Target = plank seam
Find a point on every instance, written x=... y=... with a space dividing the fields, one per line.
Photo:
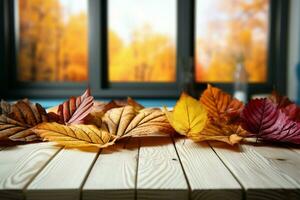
x=38 y=172
x=137 y=170
x=185 y=175
x=234 y=176
x=88 y=173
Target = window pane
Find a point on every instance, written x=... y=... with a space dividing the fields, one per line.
x=142 y=35
x=229 y=31
x=53 y=40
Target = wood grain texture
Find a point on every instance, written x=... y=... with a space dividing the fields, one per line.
x=160 y=175
x=63 y=177
x=208 y=177
x=20 y=164
x=113 y=174
x=265 y=172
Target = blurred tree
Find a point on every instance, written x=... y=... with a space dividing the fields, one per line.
x=52 y=46
x=74 y=49
x=149 y=57
x=241 y=30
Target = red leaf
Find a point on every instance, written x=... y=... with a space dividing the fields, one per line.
x=281 y=101
x=286 y=105
x=76 y=109
x=265 y=120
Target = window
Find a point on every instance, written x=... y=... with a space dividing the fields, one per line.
x=52 y=40
x=141 y=44
x=228 y=32
x=139 y=48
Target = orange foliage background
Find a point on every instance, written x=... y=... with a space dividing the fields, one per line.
x=54 y=49
x=51 y=48
x=150 y=57
x=243 y=33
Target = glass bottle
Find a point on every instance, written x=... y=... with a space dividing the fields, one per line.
x=188 y=80
x=240 y=82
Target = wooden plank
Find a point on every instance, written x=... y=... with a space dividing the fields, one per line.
x=203 y=169
x=63 y=177
x=266 y=172
x=160 y=175
x=114 y=173
x=294 y=147
x=20 y=164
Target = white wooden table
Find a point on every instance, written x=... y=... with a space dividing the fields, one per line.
x=152 y=168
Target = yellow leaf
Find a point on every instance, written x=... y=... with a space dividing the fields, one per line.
x=188 y=117
x=127 y=121
x=78 y=135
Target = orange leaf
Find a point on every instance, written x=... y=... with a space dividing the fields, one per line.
x=220 y=105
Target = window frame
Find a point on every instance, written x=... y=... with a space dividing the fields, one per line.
x=98 y=57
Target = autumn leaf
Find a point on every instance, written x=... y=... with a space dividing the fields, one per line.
x=76 y=109
x=220 y=131
x=5 y=107
x=219 y=104
x=281 y=101
x=266 y=121
x=188 y=116
x=127 y=121
x=75 y=135
x=286 y=105
x=97 y=112
x=14 y=130
x=17 y=120
x=220 y=107
x=128 y=102
x=100 y=108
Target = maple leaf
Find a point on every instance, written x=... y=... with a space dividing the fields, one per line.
x=221 y=108
x=76 y=109
x=127 y=121
x=17 y=120
x=75 y=135
x=188 y=116
x=266 y=121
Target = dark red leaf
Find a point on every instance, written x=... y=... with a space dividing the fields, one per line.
x=286 y=105
x=76 y=109
x=281 y=101
x=266 y=121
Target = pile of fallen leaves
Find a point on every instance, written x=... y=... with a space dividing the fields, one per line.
x=219 y=116
x=83 y=122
